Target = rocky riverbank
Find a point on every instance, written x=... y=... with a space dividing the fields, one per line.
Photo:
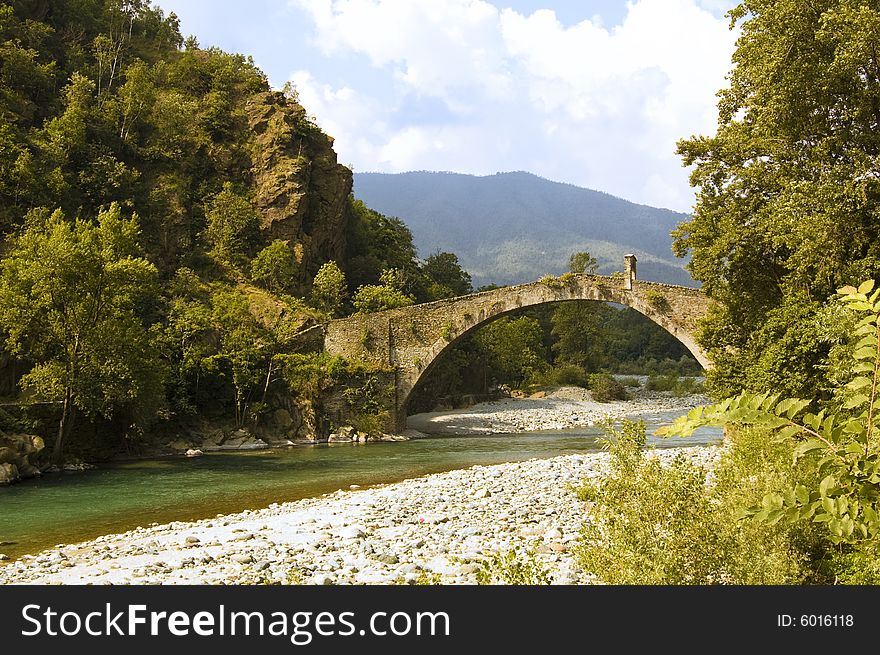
x=558 y=409
x=436 y=528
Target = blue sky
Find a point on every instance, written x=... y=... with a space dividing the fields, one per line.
x=595 y=93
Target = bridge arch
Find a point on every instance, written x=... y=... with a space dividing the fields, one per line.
x=410 y=340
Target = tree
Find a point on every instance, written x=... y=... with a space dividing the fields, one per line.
x=233 y=225
x=68 y=297
x=583 y=262
x=578 y=330
x=329 y=288
x=245 y=347
x=275 y=267
x=135 y=96
x=788 y=199
x=376 y=243
x=376 y=298
x=514 y=346
x=389 y=295
x=448 y=279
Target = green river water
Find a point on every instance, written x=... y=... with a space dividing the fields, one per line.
x=66 y=508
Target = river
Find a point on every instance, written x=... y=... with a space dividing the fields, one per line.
x=66 y=508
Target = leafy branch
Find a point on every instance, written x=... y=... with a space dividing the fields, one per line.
x=845 y=440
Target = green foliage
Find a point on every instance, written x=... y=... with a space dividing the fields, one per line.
x=447 y=277
x=859 y=564
x=377 y=243
x=275 y=267
x=569 y=374
x=514 y=567
x=245 y=348
x=583 y=262
x=782 y=218
x=845 y=439
x=604 y=388
x=233 y=225
x=329 y=288
x=657 y=300
x=69 y=294
x=557 y=282
x=634 y=344
x=309 y=374
x=101 y=104
x=447 y=331
x=678 y=386
x=376 y=298
x=579 y=336
x=514 y=347
x=650 y=523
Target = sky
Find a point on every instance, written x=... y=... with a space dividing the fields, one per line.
x=591 y=92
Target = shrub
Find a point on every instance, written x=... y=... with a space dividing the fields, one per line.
x=554 y=282
x=275 y=267
x=844 y=436
x=376 y=298
x=678 y=386
x=329 y=288
x=570 y=374
x=661 y=524
x=657 y=300
x=630 y=382
x=605 y=388
x=513 y=568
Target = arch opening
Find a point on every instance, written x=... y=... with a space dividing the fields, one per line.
x=459 y=373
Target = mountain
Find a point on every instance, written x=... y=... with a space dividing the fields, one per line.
x=515 y=227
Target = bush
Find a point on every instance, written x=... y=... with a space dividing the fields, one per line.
x=630 y=382
x=275 y=267
x=561 y=282
x=376 y=298
x=678 y=386
x=571 y=374
x=656 y=524
x=513 y=568
x=842 y=436
x=604 y=388
x=658 y=301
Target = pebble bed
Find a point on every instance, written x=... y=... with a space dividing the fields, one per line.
x=437 y=528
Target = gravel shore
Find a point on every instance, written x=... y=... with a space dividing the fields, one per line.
x=442 y=524
x=565 y=407
x=434 y=528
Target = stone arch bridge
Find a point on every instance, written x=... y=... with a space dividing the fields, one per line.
x=409 y=340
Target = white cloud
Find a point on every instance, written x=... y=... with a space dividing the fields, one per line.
x=597 y=107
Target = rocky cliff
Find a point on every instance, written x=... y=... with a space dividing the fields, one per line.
x=299 y=188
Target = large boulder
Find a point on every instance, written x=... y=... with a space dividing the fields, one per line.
x=8 y=473
x=18 y=456
x=345 y=434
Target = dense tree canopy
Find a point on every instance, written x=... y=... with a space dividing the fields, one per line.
x=787 y=190
x=69 y=294
x=447 y=278
x=105 y=112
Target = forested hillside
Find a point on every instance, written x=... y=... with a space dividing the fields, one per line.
x=511 y=228
x=172 y=227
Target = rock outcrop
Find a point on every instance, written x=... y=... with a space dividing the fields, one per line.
x=299 y=188
x=18 y=457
